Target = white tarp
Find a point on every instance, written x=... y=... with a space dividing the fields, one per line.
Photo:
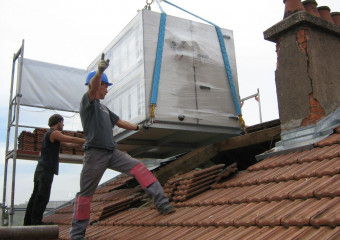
x=52 y=86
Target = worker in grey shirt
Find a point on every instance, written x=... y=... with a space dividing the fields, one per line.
x=101 y=153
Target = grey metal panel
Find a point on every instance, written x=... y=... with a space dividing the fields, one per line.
x=164 y=140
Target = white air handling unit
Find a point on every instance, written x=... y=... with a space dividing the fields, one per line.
x=194 y=104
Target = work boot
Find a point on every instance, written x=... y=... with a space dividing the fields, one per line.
x=166 y=208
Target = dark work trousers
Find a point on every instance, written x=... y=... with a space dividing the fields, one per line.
x=95 y=163
x=39 y=198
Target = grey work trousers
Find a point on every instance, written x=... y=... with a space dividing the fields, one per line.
x=95 y=162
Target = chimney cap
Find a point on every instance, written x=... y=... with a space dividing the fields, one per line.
x=335 y=13
x=324 y=8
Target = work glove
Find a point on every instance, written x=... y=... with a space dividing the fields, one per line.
x=103 y=64
x=142 y=127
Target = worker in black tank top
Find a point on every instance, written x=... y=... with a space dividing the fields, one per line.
x=48 y=165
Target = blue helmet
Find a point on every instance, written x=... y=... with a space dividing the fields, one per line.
x=103 y=79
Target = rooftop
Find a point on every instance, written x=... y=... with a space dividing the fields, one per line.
x=290 y=196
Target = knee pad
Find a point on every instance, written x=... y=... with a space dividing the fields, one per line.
x=83 y=208
x=143 y=175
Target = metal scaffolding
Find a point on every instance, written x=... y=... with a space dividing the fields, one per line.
x=257 y=98
x=13 y=121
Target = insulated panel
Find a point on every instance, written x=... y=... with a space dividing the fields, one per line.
x=194 y=98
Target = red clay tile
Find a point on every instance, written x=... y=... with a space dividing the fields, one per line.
x=280 y=233
x=200 y=231
x=246 y=191
x=253 y=178
x=269 y=175
x=195 y=215
x=229 y=209
x=260 y=195
x=156 y=232
x=273 y=218
x=330 y=188
x=215 y=233
x=330 y=140
x=229 y=193
x=308 y=169
x=276 y=162
x=208 y=212
x=321 y=233
x=228 y=220
x=234 y=181
x=177 y=234
x=305 y=189
x=329 y=215
x=331 y=167
x=213 y=215
x=231 y=231
x=302 y=214
x=287 y=173
x=259 y=233
x=240 y=233
x=206 y=198
x=299 y=155
x=321 y=151
x=260 y=165
x=288 y=159
x=281 y=190
x=249 y=218
x=181 y=215
x=333 y=152
x=311 y=155
x=121 y=217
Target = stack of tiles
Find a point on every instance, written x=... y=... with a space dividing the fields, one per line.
x=38 y=138
x=185 y=186
x=26 y=141
x=67 y=150
x=79 y=149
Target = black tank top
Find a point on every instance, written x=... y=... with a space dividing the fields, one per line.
x=49 y=159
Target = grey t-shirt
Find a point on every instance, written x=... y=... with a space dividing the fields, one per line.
x=98 y=122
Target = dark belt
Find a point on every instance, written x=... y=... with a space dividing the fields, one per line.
x=85 y=148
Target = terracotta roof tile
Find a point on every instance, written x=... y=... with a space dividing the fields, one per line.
x=333 y=151
x=303 y=211
x=328 y=214
x=282 y=190
x=330 y=140
x=320 y=233
x=279 y=233
x=330 y=188
x=291 y=196
x=304 y=188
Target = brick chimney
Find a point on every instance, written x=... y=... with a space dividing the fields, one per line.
x=308 y=69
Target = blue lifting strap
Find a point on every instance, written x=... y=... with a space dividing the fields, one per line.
x=228 y=69
x=158 y=63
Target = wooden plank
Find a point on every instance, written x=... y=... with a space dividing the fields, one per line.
x=249 y=139
x=186 y=163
